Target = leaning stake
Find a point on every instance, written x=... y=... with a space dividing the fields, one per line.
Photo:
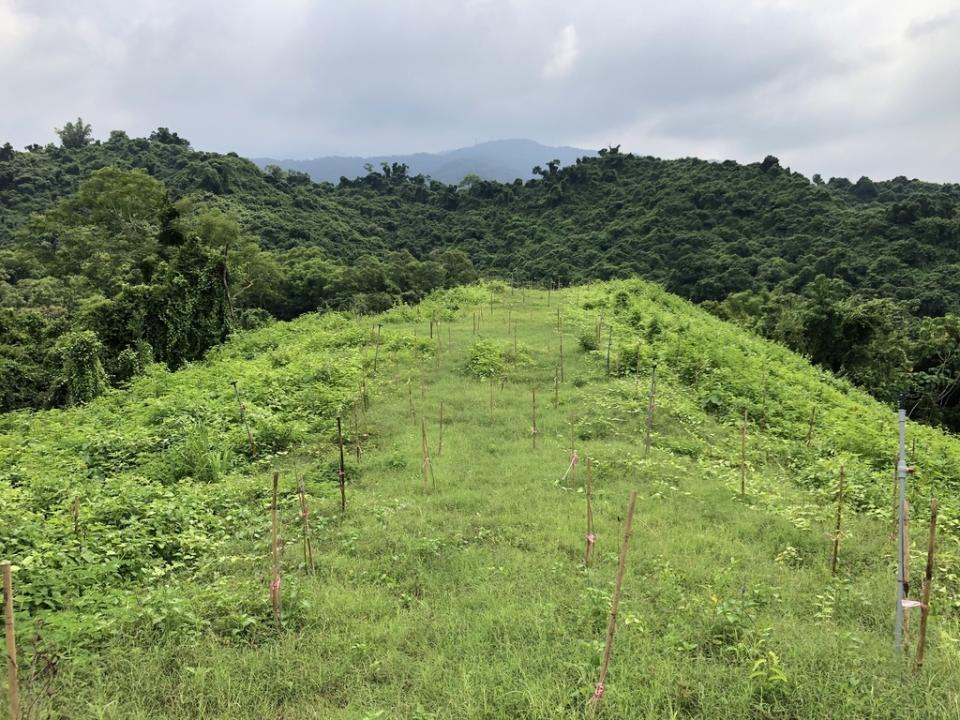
x=927 y=581
x=12 y=682
x=614 y=606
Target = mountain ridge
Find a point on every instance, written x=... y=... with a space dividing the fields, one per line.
x=501 y=160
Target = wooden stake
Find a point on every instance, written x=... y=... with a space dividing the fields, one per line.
x=609 y=345
x=743 y=455
x=591 y=538
x=440 y=442
x=275 y=544
x=376 y=352
x=927 y=583
x=533 y=397
x=573 y=448
x=305 y=514
x=426 y=468
x=561 y=357
x=836 y=532
x=651 y=407
x=356 y=432
x=813 y=419
x=491 y=398
x=75 y=512
x=13 y=684
x=341 y=473
x=243 y=419
x=597 y=696
x=556 y=386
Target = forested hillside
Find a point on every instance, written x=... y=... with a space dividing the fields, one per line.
x=860 y=276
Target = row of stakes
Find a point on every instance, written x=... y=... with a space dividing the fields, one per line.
x=429 y=479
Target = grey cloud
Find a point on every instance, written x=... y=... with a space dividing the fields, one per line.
x=296 y=78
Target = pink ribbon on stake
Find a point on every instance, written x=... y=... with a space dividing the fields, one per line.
x=910 y=604
x=275 y=585
x=591 y=538
x=573 y=458
x=598 y=693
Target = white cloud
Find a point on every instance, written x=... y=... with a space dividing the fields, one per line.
x=564 y=53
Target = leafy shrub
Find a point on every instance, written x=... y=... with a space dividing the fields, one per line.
x=486 y=360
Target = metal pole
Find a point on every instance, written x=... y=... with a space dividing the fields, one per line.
x=901 y=494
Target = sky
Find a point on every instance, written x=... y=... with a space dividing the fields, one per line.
x=836 y=87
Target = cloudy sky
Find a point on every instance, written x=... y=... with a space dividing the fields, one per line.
x=831 y=86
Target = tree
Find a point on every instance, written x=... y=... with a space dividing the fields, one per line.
x=6 y=152
x=75 y=135
x=83 y=373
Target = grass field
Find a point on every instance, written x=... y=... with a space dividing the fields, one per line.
x=469 y=598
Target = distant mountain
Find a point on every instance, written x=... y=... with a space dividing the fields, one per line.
x=502 y=160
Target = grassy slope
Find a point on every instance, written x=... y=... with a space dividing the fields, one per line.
x=470 y=600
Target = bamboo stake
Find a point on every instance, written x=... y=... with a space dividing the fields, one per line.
x=440 y=443
x=927 y=583
x=275 y=545
x=341 y=472
x=243 y=419
x=491 y=398
x=813 y=419
x=561 y=357
x=836 y=532
x=356 y=433
x=533 y=396
x=13 y=684
x=651 y=407
x=597 y=696
x=305 y=514
x=743 y=455
x=376 y=352
x=609 y=344
x=573 y=448
x=591 y=538
x=556 y=386
x=426 y=467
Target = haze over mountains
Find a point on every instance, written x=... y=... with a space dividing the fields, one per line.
x=501 y=160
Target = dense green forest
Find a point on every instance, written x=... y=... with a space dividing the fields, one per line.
x=117 y=252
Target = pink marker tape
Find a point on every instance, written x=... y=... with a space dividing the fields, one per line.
x=598 y=693
x=591 y=538
x=275 y=585
x=909 y=604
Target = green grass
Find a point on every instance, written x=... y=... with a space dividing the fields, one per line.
x=469 y=599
